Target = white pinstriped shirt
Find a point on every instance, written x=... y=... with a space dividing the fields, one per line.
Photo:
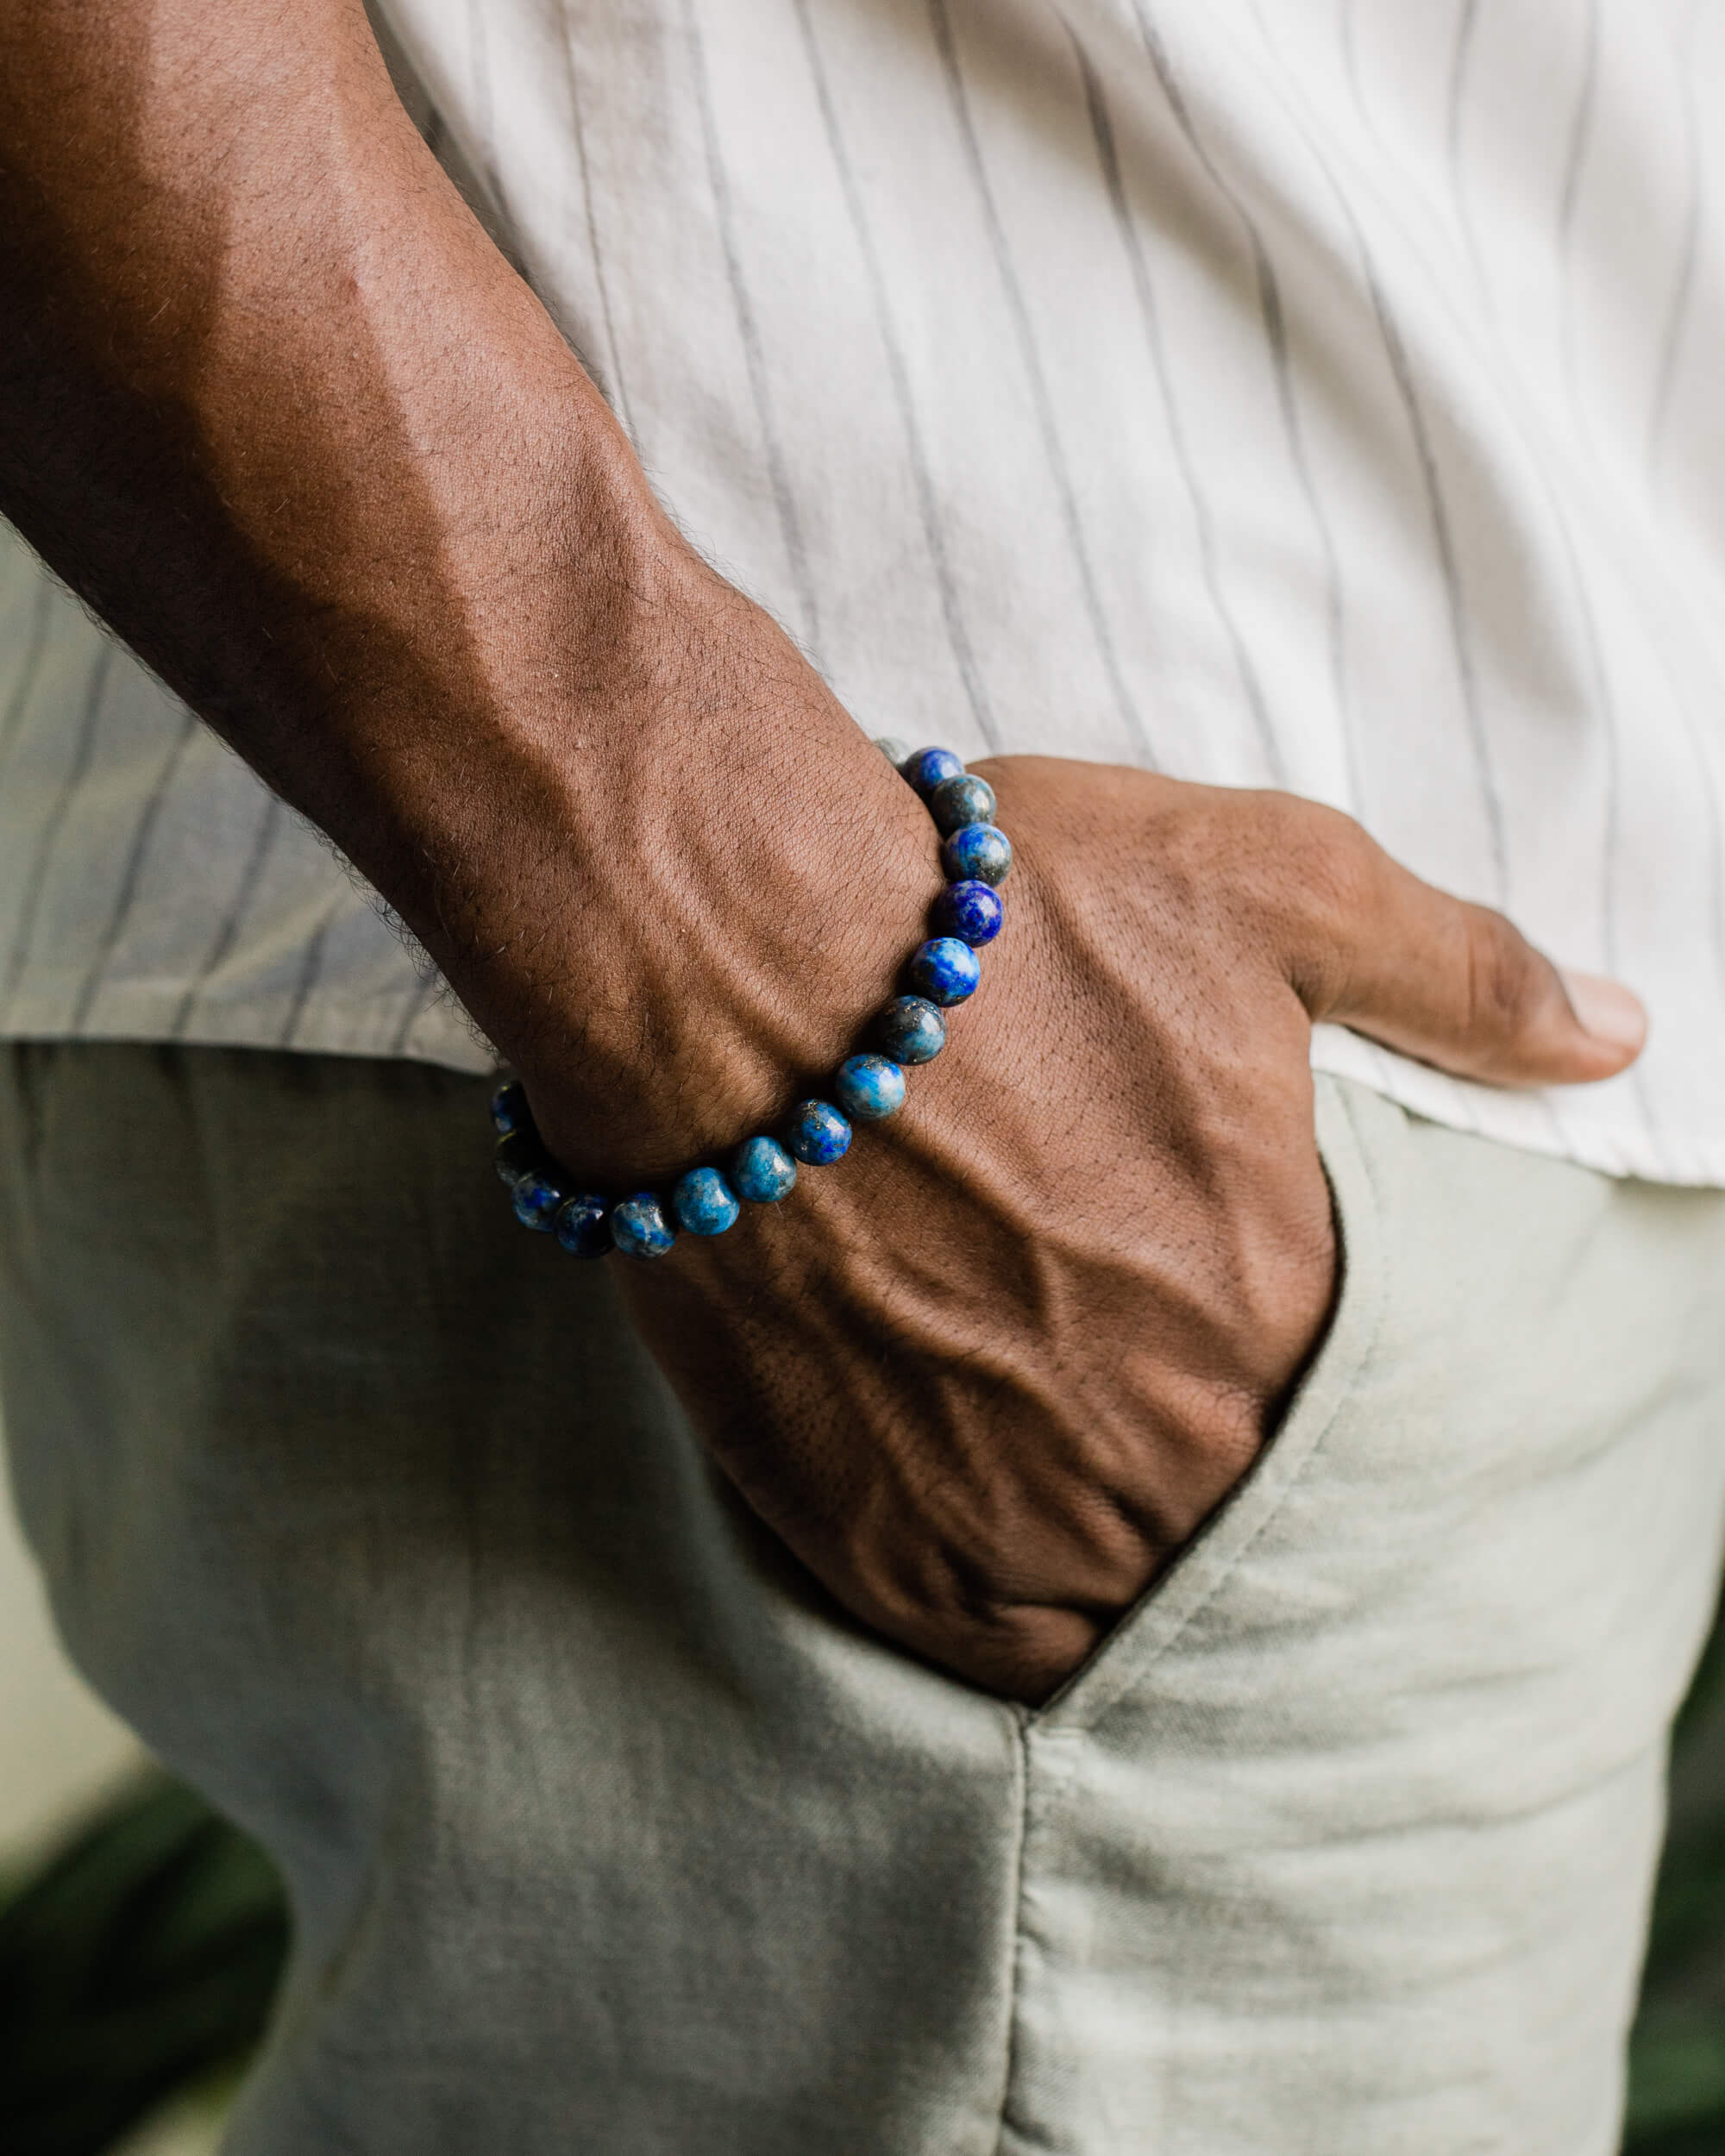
x=1321 y=394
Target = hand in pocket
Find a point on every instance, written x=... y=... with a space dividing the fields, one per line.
x=989 y=1375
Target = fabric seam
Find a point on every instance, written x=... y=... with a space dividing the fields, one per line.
x=1015 y=1965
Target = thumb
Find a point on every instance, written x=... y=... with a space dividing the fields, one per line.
x=1457 y=985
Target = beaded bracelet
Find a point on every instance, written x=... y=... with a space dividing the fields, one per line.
x=976 y=857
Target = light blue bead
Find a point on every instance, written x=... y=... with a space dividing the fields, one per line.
x=537 y=1196
x=970 y=911
x=705 y=1202
x=583 y=1226
x=926 y=767
x=911 y=1030
x=965 y=800
x=869 y=1087
x=945 y=970
x=977 y=853
x=639 y=1228
x=762 y=1171
x=818 y=1133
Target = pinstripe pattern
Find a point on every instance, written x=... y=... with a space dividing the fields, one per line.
x=1273 y=315
x=615 y=387
x=227 y=934
x=47 y=837
x=309 y=971
x=1677 y=316
x=1280 y=395
x=1109 y=158
x=1466 y=18
x=784 y=496
x=1350 y=50
x=1048 y=424
x=478 y=75
x=29 y=662
x=1444 y=546
x=928 y=507
x=1604 y=698
x=1580 y=137
x=1437 y=513
x=143 y=831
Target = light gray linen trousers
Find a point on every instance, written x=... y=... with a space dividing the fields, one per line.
x=607 y=1831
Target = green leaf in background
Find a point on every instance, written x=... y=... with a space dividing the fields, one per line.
x=1677 y=2053
x=144 y=1955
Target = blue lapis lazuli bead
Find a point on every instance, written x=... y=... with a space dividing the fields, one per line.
x=977 y=853
x=818 y=1133
x=911 y=1030
x=869 y=1087
x=704 y=1202
x=969 y=910
x=514 y=1155
x=582 y=1225
x=537 y=1196
x=965 y=800
x=945 y=970
x=762 y=1171
x=924 y=769
x=509 y=1110
x=639 y=1228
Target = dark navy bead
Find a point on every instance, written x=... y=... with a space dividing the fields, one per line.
x=818 y=1133
x=639 y=1228
x=956 y=802
x=944 y=970
x=977 y=852
x=537 y=1196
x=509 y=1110
x=705 y=1202
x=969 y=910
x=911 y=1030
x=515 y=1155
x=582 y=1225
x=762 y=1171
x=926 y=767
x=869 y=1087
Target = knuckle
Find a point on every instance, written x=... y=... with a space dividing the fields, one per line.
x=1026 y=1650
x=1317 y=884
x=1502 y=984
x=1326 y=861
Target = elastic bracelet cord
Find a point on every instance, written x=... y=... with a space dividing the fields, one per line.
x=977 y=857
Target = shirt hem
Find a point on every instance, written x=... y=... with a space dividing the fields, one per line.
x=437 y=1031
x=433 y=1031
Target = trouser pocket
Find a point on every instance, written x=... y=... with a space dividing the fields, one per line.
x=1343 y=1841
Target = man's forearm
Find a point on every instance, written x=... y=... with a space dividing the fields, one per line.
x=277 y=408
x=273 y=399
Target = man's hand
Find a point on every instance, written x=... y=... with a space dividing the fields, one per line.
x=986 y=1377
x=273 y=404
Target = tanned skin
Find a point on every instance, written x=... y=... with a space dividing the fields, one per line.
x=275 y=406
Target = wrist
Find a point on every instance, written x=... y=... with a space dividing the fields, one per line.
x=672 y=900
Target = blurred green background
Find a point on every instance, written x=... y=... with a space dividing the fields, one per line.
x=141 y=1936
